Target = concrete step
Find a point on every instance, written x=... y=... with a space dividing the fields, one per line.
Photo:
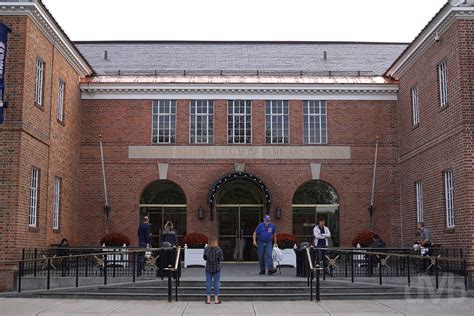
x=255 y=296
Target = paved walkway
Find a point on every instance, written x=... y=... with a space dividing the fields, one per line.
x=21 y=306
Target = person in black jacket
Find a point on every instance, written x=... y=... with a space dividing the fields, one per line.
x=143 y=242
x=169 y=235
x=213 y=255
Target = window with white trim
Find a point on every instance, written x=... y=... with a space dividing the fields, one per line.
x=164 y=122
x=56 y=201
x=39 y=78
x=60 y=112
x=443 y=83
x=201 y=122
x=239 y=121
x=449 y=197
x=415 y=106
x=277 y=122
x=33 y=210
x=419 y=201
x=314 y=122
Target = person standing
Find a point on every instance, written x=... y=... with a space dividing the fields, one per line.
x=266 y=233
x=213 y=255
x=143 y=242
x=321 y=234
x=169 y=235
x=425 y=242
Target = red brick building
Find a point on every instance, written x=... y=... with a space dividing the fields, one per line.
x=212 y=135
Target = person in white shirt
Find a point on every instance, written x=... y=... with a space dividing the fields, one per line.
x=321 y=234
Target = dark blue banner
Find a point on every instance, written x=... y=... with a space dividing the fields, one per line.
x=3 y=54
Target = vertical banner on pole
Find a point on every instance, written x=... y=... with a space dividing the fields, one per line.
x=3 y=53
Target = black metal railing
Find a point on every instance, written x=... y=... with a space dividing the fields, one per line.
x=357 y=263
x=106 y=263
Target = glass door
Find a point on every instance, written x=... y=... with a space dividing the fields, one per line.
x=235 y=227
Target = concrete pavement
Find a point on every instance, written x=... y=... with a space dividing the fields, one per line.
x=28 y=306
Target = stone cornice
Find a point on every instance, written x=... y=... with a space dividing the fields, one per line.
x=46 y=23
x=254 y=92
x=428 y=36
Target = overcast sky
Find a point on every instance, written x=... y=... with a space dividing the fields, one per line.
x=312 y=20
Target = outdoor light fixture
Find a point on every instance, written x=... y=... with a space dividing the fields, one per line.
x=278 y=213
x=200 y=213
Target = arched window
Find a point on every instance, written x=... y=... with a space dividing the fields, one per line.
x=314 y=200
x=163 y=201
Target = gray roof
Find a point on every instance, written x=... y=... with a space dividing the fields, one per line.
x=239 y=57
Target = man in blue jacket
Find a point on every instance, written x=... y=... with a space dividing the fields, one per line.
x=266 y=233
x=143 y=242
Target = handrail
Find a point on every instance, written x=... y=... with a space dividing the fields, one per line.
x=313 y=270
x=368 y=252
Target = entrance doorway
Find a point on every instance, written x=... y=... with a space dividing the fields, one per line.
x=235 y=227
x=163 y=201
x=239 y=209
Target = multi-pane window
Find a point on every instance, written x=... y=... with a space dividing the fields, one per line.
x=39 y=78
x=449 y=197
x=443 y=83
x=201 y=122
x=419 y=201
x=34 y=182
x=56 y=201
x=164 y=122
x=415 y=105
x=277 y=122
x=239 y=121
x=60 y=113
x=314 y=122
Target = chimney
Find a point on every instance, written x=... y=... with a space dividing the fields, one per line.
x=325 y=55
x=106 y=55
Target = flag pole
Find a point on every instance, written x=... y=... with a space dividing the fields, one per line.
x=106 y=207
x=372 y=197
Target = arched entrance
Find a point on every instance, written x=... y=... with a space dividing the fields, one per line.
x=313 y=200
x=239 y=201
x=163 y=201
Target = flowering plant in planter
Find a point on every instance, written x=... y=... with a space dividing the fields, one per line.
x=194 y=240
x=285 y=240
x=363 y=238
x=115 y=240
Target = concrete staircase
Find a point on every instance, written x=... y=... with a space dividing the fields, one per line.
x=244 y=290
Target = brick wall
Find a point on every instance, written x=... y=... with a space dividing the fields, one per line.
x=442 y=140
x=31 y=137
x=352 y=123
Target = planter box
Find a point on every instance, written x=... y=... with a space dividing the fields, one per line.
x=194 y=257
x=289 y=258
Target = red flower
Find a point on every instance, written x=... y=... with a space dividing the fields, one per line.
x=115 y=240
x=285 y=240
x=363 y=238
x=194 y=240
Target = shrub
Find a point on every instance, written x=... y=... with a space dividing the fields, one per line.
x=285 y=240
x=194 y=240
x=115 y=240
x=363 y=238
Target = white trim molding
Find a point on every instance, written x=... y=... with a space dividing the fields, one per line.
x=430 y=34
x=386 y=92
x=46 y=23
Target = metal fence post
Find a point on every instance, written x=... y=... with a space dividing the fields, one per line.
x=466 y=284
x=318 y=290
x=380 y=271
x=408 y=272
x=311 y=285
x=20 y=272
x=105 y=269
x=77 y=271
x=34 y=262
x=49 y=273
x=86 y=265
x=134 y=265
x=170 y=284
x=352 y=267
x=436 y=273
